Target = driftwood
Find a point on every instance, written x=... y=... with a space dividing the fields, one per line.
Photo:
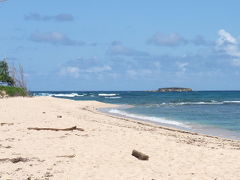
x=67 y=156
x=1 y=146
x=15 y=160
x=8 y=124
x=56 y=129
x=140 y=155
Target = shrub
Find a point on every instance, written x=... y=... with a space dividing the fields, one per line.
x=14 y=91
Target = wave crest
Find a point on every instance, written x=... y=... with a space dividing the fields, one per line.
x=195 y=103
x=61 y=95
x=107 y=94
x=148 y=118
x=114 y=97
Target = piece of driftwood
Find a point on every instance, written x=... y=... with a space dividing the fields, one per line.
x=19 y=159
x=67 y=156
x=8 y=124
x=140 y=155
x=1 y=146
x=56 y=129
x=15 y=160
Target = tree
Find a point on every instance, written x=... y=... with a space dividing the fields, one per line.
x=18 y=76
x=4 y=73
x=3 y=67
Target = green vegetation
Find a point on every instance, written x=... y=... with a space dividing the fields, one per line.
x=15 y=82
x=13 y=91
x=4 y=73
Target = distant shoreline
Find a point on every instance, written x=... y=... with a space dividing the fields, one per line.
x=173 y=89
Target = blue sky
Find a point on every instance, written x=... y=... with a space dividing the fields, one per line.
x=123 y=45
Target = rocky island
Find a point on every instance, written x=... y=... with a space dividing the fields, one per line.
x=173 y=89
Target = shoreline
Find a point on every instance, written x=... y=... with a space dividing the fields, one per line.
x=106 y=143
x=196 y=129
x=158 y=125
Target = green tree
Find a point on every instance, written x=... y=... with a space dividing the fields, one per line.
x=4 y=73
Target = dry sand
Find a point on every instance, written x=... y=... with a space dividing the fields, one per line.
x=103 y=150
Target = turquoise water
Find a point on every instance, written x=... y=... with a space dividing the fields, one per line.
x=211 y=112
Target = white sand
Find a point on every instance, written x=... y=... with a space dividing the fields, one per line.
x=103 y=150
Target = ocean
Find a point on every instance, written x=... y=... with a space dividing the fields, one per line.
x=215 y=113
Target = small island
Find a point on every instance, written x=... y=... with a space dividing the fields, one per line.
x=173 y=89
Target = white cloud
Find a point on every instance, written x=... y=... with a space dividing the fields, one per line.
x=167 y=40
x=139 y=73
x=116 y=49
x=174 y=39
x=99 y=69
x=76 y=71
x=229 y=45
x=72 y=71
x=55 y=38
x=225 y=37
x=182 y=66
x=59 y=17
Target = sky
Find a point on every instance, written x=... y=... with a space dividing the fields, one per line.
x=123 y=45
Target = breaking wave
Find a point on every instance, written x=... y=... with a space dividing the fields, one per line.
x=107 y=94
x=195 y=103
x=148 y=118
x=113 y=97
x=61 y=95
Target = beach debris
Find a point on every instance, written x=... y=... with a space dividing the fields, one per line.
x=44 y=112
x=7 y=147
x=56 y=129
x=67 y=156
x=8 y=124
x=48 y=174
x=3 y=94
x=59 y=116
x=18 y=159
x=15 y=160
x=140 y=155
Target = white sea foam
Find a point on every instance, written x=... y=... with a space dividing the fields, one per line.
x=195 y=103
x=231 y=102
x=200 y=103
x=113 y=97
x=148 y=118
x=107 y=94
x=81 y=95
x=66 y=95
x=41 y=94
x=183 y=103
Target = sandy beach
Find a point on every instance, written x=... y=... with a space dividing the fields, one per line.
x=103 y=150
